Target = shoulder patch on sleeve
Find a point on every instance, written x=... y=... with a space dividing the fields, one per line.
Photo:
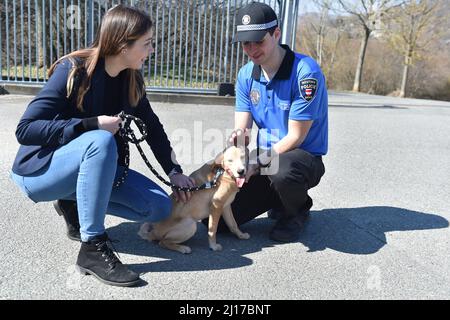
x=308 y=88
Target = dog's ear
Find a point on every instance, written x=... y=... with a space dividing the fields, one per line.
x=219 y=159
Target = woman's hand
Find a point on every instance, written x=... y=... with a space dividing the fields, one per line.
x=181 y=180
x=111 y=124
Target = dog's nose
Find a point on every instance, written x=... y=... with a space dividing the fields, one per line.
x=241 y=172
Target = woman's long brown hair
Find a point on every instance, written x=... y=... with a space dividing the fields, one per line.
x=121 y=27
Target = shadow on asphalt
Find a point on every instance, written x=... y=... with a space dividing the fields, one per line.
x=349 y=230
x=363 y=230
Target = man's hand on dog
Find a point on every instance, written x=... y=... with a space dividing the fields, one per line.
x=181 y=180
x=239 y=137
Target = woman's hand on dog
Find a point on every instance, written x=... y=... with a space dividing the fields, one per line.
x=181 y=180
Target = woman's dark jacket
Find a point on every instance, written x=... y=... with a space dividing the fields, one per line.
x=52 y=120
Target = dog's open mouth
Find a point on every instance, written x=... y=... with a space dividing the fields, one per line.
x=240 y=182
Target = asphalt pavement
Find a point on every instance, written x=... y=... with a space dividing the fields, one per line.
x=379 y=227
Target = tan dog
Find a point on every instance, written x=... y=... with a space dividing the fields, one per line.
x=182 y=223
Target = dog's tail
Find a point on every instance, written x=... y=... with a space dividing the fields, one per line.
x=144 y=231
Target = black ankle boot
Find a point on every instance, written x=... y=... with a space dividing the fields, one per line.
x=275 y=214
x=68 y=209
x=98 y=259
x=288 y=228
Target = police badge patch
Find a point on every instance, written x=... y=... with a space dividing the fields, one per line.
x=308 y=88
x=255 y=96
x=246 y=19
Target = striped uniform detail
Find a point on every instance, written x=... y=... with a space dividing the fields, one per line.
x=256 y=27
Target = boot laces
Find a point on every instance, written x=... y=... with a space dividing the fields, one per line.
x=107 y=253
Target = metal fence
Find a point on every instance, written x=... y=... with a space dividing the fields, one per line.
x=193 y=48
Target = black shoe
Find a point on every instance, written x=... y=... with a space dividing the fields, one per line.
x=274 y=214
x=98 y=259
x=68 y=209
x=287 y=229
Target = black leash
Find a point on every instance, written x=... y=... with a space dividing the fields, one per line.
x=128 y=136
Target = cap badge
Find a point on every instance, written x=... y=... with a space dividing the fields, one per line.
x=246 y=19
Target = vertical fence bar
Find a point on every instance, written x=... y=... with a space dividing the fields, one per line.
x=99 y=15
x=294 y=28
x=211 y=15
x=181 y=44
x=227 y=40
x=14 y=40
x=149 y=62
x=65 y=27
x=186 y=42
x=78 y=24
x=1 y=49
x=168 y=42
x=205 y=8
x=174 y=45
x=232 y=44
x=51 y=30
x=7 y=39
x=215 y=40
x=221 y=46
x=155 y=69
x=86 y=33
x=72 y=26
x=22 y=45
x=90 y=22
x=44 y=43
x=57 y=30
x=194 y=10
x=162 y=43
x=198 y=42
x=36 y=12
x=29 y=41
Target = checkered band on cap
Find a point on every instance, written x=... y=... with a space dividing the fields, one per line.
x=256 y=27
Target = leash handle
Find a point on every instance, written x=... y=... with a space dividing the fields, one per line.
x=127 y=133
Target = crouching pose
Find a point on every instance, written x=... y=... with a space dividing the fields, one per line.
x=71 y=151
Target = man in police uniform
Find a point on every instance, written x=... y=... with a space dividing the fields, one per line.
x=284 y=93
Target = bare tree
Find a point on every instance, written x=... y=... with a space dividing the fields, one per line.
x=414 y=25
x=338 y=26
x=369 y=14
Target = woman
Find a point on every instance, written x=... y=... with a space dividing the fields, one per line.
x=70 y=148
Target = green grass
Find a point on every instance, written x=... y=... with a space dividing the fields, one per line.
x=23 y=74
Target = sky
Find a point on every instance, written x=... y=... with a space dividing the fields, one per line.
x=306 y=6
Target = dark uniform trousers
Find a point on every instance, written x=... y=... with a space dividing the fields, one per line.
x=285 y=189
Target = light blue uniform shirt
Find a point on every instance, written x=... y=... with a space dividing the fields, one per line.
x=296 y=92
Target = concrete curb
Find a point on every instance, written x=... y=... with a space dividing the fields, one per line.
x=33 y=89
x=211 y=99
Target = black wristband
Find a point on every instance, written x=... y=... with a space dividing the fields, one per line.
x=262 y=165
x=90 y=123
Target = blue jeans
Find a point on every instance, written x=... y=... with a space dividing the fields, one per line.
x=85 y=170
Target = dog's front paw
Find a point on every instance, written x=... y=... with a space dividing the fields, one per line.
x=184 y=249
x=215 y=247
x=144 y=231
x=243 y=235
